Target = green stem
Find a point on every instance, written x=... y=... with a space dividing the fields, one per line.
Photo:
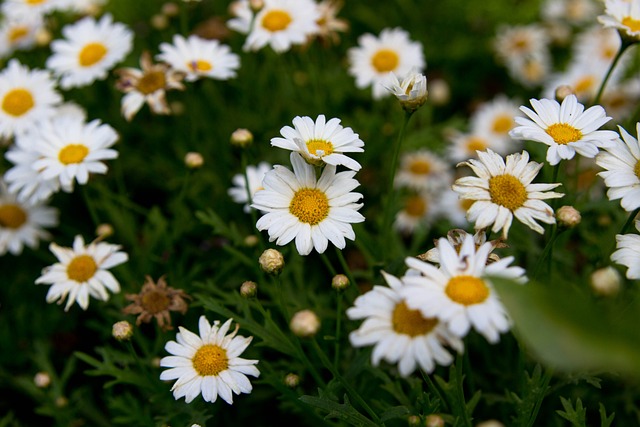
x=90 y=207
x=548 y=373
x=336 y=355
x=623 y=46
x=345 y=267
x=548 y=249
x=629 y=221
x=459 y=376
x=327 y=264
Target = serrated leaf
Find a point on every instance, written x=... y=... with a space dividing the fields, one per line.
x=343 y=411
x=576 y=416
x=605 y=421
x=394 y=412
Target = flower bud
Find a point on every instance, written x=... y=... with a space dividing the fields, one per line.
x=248 y=289
x=434 y=420
x=439 y=92
x=256 y=5
x=411 y=91
x=159 y=21
x=563 y=91
x=170 y=9
x=241 y=138
x=414 y=420
x=605 y=281
x=251 y=240
x=291 y=380
x=122 y=330
x=42 y=380
x=490 y=423
x=568 y=216
x=271 y=261
x=339 y=282
x=104 y=230
x=193 y=160
x=305 y=323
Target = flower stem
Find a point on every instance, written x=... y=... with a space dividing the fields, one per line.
x=345 y=267
x=547 y=251
x=336 y=355
x=623 y=46
x=629 y=221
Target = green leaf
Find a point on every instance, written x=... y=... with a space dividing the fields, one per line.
x=394 y=412
x=604 y=420
x=528 y=403
x=576 y=416
x=344 y=411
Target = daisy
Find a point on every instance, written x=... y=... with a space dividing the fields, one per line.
x=398 y=333
x=313 y=212
x=503 y=190
x=208 y=364
x=598 y=46
x=11 y=8
x=624 y=16
x=283 y=23
x=530 y=71
x=565 y=128
x=329 y=25
x=411 y=91
x=375 y=57
x=28 y=97
x=584 y=78
x=628 y=253
x=242 y=16
x=622 y=170
x=149 y=84
x=19 y=33
x=90 y=49
x=575 y=12
x=82 y=272
x=419 y=210
x=198 y=57
x=23 y=224
x=514 y=44
x=456 y=238
x=452 y=208
x=70 y=149
x=255 y=174
x=619 y=101
x=460 y=293
x=423 y=170
x=495 y=119
x=466 y=145
x=321 y=142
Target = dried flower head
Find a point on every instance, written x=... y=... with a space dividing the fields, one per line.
x=329 y=25
x=156 y=300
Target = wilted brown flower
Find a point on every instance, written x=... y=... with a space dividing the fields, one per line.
x=156 y=300
x=329 y=25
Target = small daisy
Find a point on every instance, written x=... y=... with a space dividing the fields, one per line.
x=419 y=209
x=599 y=46
x=576 y=12
x=411 y=91
x=283 y=23
x=456 y=238
x=28 y=97
x=208 y=364
x=423 y=170
x=23 y=224
x=452 y=208
x=242 y=16
x=531 y=71
x=313 y=212
x=82 y=272
x=328 y=24
x=375 y=57
x=628 y=253
x=460 y=293
x=198 y=57
x=495 y=119
x=19 y=33
x=504 y=190
x=11 y=8
x=321 y=142
x=155 y=301
x=565 y=128
x=399 y=334
x=89 y=50
x=622 y=170
x=624 y=16
x=70 y=149
x=619 y=101
x=148 y=84
x=466 y=145
x=584 y=78
x=514 y=44
x=255 y=174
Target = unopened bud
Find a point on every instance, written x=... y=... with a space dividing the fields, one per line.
x=414 y=420
x=241 y=137
x=271 y=261
x=61 y=401
x=251 y=240
x=305 y=323
x=42 y=380
x=568 y=216
x=605 y=281
x=43 y=37
x=563 y=91
x=248 y=289
x=291 y=380
x=170 y=9
x=490 y=423
x=439 y=91
x=256 y=5
x=159 y=21
x=122 y=330
x=339 y=282
x=104 y=230
x=193 y=160
x=434 y=420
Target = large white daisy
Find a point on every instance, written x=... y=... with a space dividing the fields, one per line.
x=566 y=128
x=321 y=142
x=82 y=272
x=399 y=334
x=208 y=364
x=311 y=211
x=198 y=57
x=89 y=50
x=460 y=293
x=375 y=57
x=255 y=174
x=622 y=170
x=624 y=16
x=628 y=253
x=27 y=97
x=502 y=190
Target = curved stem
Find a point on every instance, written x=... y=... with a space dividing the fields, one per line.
x=623 y=46
x=547 y=251
x=345 y=267
x=629 y=221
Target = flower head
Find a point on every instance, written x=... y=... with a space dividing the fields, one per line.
x=411 y=91
x=624 y=16
x=423 y=170
x=628 y=253
x=208 y=363
x=255 y=174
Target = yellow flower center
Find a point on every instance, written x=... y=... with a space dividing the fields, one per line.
x=35 y=2
x=73 y=153
x=467 y=290
x=632 y=24
x=420 y=167
x=520 y=43
x=385 y=60
x=415 y=206
x=507 y=190
x=200 y=66
x=12 y=216
x=210 y=359
x=17 y=33
x=410 y=322
x=585 y=84
x=315 y=145
x=563 y=133
x=636 y=169
x=276 y=20
x=502 y=123
x=155 y=302
x=476 y=143
x=91 y=54
x=81 y=268
x=17 y=102
x=151 y=82
x=309 y=205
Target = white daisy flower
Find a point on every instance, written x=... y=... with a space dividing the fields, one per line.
x=495 y=119
x=375 y=57
x=198 y=57
x=283 y=23
x=624 y=16
x=422 y=170
x=85 y=7
x=575 y=12
x=11 y=8
x=89 y=50
x=313 y=212
x=70 y=149
x=620 y=100
x=531 y=71
x=598 y=46
x=321 y=142
x=628 y=253
x=242 y=16
x=399 y=334
x=504 y=190
x=419 y=209
x=411 y=91
x=27 y=96
x=565 y=128
x=466 y=145
x=451 y=207
x=23 y=224
x=208 y=364
x=456 y=238
x=583 y=78
x=459 y=293
x=255 y=174
x=82 y=272
x=514 y=44
x=19 y=33
x=622 y=170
